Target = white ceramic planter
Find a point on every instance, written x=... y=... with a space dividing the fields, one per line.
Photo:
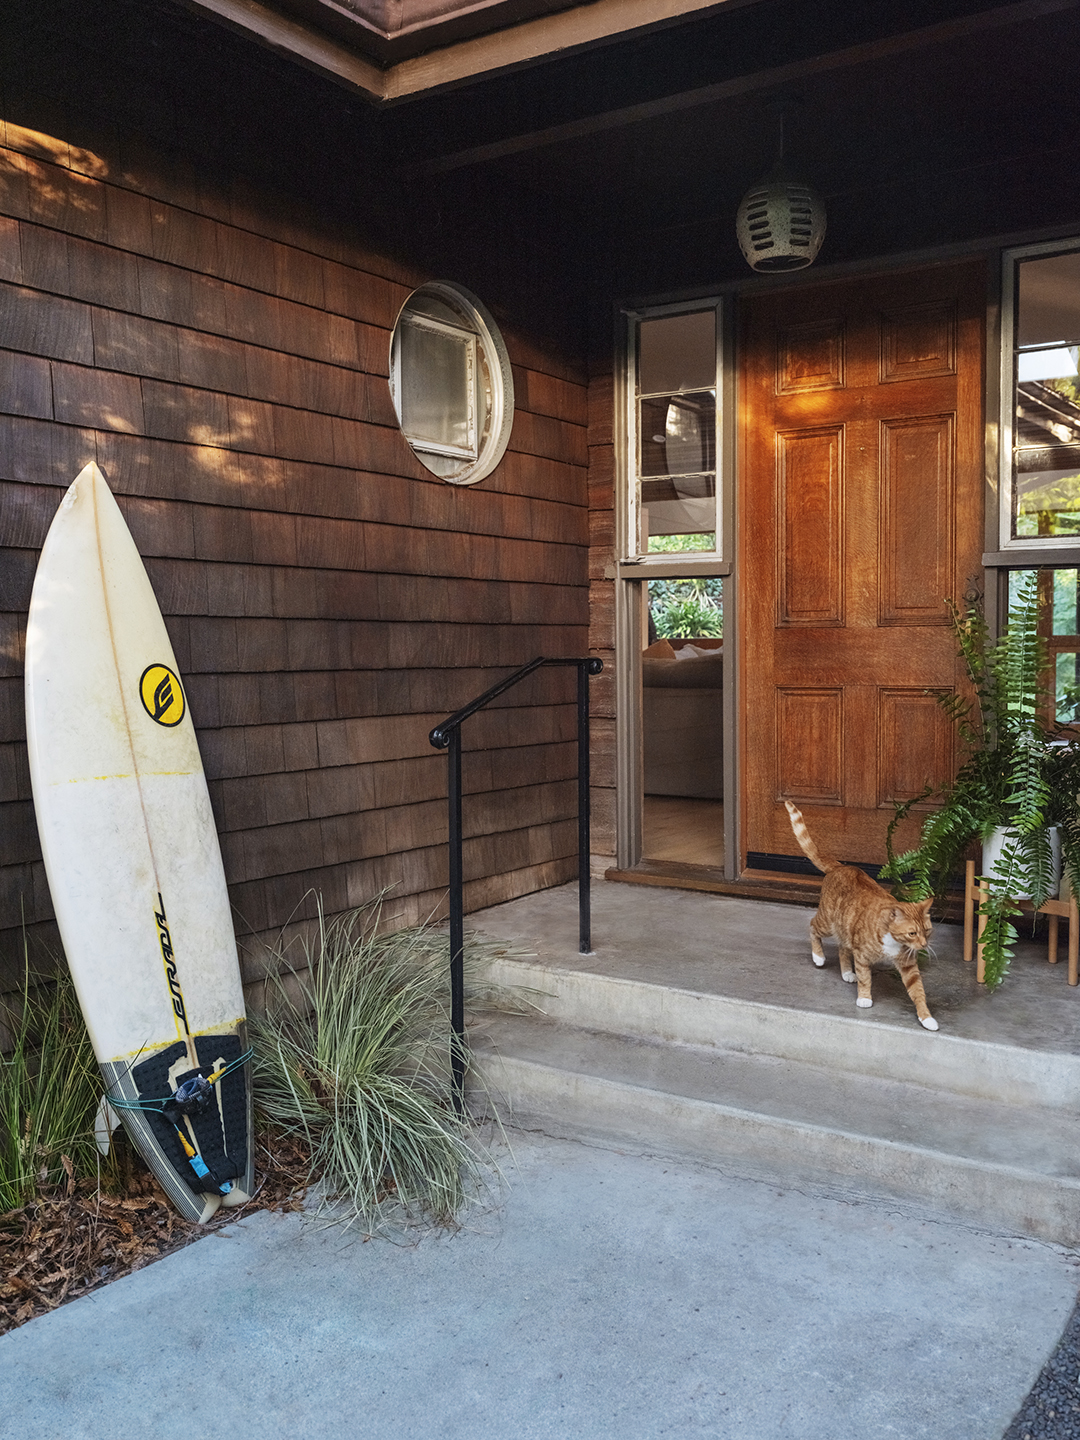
x=992 y=850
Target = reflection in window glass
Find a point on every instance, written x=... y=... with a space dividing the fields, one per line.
x=675 y=462
x=1059 y=625
x=1046 y=433
x=1067 y=687
x=677 y=352
x=1066 y=621
x=689 y=608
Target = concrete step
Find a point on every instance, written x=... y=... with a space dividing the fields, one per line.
x=1006 y=1166
x=856 y=1044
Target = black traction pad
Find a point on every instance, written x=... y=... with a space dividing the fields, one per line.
x=224 y=1152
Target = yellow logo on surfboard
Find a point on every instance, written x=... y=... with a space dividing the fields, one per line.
x=162 y=695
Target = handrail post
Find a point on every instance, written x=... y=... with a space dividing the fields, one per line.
x=583 y=836
x=457 y=922
x=447 y=736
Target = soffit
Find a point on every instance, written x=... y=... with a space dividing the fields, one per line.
x=392 y=50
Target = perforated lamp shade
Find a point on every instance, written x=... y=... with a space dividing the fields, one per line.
x=780 y=224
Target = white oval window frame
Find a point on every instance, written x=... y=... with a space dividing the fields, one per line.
x=493 y=447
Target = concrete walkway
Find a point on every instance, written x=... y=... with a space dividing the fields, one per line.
x=606 y=1295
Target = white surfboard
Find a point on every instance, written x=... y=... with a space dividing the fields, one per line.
x=132 y=855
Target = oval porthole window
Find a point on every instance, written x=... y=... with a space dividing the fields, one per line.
x=451 y=383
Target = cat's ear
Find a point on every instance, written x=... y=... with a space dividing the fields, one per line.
x=897 y=914
x=925 y=906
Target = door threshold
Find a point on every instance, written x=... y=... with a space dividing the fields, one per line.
x=775 y=886
x=752 y=884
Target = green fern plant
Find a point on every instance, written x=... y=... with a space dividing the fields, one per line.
x=1017 y=773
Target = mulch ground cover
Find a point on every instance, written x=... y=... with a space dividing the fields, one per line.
x=79 y=1237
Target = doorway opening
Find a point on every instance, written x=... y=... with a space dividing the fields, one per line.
x=682 y=720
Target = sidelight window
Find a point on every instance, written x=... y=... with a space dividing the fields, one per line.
x=673 y=433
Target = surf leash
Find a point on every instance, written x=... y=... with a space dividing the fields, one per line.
x=192 y=1099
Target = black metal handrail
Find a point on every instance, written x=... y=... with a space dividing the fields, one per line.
x=447 y=736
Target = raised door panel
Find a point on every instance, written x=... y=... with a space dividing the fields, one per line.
x=916 y=508
x=809 y=748
x=810 y=357
x=810 y=505
x=919 y=341
x=915 y=744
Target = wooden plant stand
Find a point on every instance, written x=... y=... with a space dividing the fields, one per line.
x=974 y=894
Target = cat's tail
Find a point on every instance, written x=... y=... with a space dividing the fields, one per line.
x=809 y=849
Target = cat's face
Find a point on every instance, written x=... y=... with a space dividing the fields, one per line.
x=910 y=926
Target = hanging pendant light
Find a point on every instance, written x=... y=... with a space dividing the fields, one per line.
x=781 y=222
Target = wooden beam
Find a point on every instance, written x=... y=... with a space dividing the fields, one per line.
x=562 y=33
x=550 y=35
x=298 y=42
x=1022 y=11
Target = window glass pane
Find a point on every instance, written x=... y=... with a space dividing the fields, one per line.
x=683 y=509
x=1067 y=688
x=1049 y=300
x=675 y=463
x=437 y=387
x=1059 y=625
x=678 y=434
x=1047 y=417
x=1066 y=621
x=688 y=609
x=677 y=352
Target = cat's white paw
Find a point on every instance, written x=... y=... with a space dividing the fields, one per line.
x=864 y=1004
x=929 y=1023
x=819 y=960
x=848 y=975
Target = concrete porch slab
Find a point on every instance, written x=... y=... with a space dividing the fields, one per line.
x=755 y=951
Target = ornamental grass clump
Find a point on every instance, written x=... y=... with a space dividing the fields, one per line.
x=353 y=1054
x=49 y=1092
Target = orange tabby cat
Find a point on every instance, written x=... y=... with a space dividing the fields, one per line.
x=868 y=924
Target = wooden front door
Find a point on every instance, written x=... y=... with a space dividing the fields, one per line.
x=860 y=510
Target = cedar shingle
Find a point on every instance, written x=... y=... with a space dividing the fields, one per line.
x=314 y=695
x=19 y=843
x=25 y=385
x=174 y=412
x=159 y=527
x=45 y=325
x=11 y=268
x=301 y=746
x=12 y=709
x=286 y=797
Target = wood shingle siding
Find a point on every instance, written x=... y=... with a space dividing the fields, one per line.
x=222 y=354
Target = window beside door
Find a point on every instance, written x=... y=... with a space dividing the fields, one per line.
x=673 y=433
x=1059 y=626
x=1041 y=387
x=672 y=539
